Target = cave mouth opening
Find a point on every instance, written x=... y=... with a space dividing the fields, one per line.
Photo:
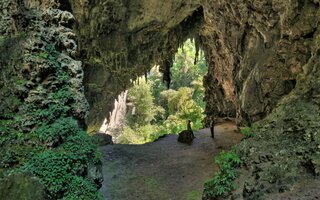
x=108 y=72
x=149 y=110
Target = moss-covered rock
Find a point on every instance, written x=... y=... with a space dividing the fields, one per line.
x=21 y=187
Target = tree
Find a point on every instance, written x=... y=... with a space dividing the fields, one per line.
x=181 y=107
x=143 y=101
x=161 y=111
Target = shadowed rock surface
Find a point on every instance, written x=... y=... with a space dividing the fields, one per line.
x=263 y=64
x=185 y=136
x=21 y=187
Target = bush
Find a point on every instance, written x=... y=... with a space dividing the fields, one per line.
x=81 y=189
x=222 y=183
x=140 y=135
x=56 y=168
x=248 y=132
x=57 y=132
x=63 y=166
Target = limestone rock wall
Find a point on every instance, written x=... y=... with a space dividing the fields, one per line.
x=263 y=57
x=255 y=50
x=121 y=40
x=43 y=106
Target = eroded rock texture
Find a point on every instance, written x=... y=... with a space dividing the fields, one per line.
x=42 y=102
x=122 y=40
x=263 y=59
x=255 y=51
x=259 y=53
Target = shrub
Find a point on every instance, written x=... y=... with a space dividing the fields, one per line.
x=57 y=131
x=81 y=189
x=248 y=132
x=58 y=169
x=222 y=183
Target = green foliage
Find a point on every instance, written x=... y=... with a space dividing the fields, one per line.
x=181 y=107
x=159 y=111
x=50 y=54
x=81 y=189
x=57 y=132
x=2 y=39
x=43 y=55
x=184 y=71
x=173 y=125
x=46 y=116
x=140 y=135
x=57 y=107
x=57 y=168
x=222 y=183
x=61 y=96
x=145 y=109
x=38 y=137
x=249 y=132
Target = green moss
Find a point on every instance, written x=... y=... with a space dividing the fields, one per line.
x=193 y=195
x=249 y=132
x=14 y=186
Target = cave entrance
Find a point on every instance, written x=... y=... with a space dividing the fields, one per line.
x=149 y=109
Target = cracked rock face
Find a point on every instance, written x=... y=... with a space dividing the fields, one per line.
x=255 y=49
x=259 y=53
x=120 y=41
x=262 y=56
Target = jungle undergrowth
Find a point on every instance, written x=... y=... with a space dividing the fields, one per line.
x=222 y=183
x=41 y=138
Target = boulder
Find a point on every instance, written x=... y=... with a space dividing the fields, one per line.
x=21 y=187
x=102 y=139
x=95 y=173
x=185 y=136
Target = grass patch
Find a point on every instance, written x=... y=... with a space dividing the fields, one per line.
x=193 y=195
x=249 y=132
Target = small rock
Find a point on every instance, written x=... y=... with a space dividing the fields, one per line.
x=21 y=186
x=102 y=139
x=185 y=136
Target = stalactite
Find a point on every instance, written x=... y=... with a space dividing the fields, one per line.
x=166 y=72
x=146 y=75
x=197 y=45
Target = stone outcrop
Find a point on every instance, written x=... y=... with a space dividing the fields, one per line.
x=262 y=55
x=255 y=50
x=185 y=136
x=42 y=101
x=21 y=186
x=113 y=125
x=120 y=41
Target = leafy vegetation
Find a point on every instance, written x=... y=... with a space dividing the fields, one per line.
x=38 y=137
x=58 y=168
x=158 y=110
x=193 y=195
x=222 y=183
x=248 y=132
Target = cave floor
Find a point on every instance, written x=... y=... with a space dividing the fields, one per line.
x=165 y=169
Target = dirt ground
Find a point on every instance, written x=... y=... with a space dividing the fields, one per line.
x=165 y=169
